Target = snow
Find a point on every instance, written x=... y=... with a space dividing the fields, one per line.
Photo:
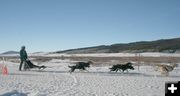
x=57 y=81
x=148 y=54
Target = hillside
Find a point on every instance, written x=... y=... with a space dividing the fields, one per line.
x=163 y=45
x=10 y=52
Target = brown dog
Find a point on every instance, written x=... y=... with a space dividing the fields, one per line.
x=165 y=69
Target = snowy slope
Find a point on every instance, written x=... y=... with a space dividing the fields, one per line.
x=56 y=81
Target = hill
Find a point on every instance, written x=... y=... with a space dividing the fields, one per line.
x=10 y=52
x=163 y=45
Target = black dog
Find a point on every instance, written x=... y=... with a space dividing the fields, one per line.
x=29 y=65
x=80 y=65
x=122 y=67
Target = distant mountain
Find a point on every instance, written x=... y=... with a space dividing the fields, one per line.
x=163 y=45
x=40 y=52
x=10 y=52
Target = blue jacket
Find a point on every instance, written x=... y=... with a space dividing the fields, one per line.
x=23 y=55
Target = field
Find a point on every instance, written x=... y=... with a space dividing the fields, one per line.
x=55 y=80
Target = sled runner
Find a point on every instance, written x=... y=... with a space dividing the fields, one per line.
x=29 y=65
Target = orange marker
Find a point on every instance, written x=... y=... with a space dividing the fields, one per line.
x=5 y=70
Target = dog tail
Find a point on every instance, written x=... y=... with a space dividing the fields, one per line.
x=110 y=68
x=70 y=66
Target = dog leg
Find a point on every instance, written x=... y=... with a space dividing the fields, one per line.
x=86 y=70
x=72 y=70
x=81 y=70
x=127 y=71
x=117 y=70
x=123 y=71
x=167 y=74
x=120 y=70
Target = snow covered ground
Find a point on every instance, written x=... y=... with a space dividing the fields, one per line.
x=148 y=54
x=57 y=81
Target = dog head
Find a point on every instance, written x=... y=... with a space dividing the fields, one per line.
x=174 y=65
x=90 y=62
x=87 y=65
x=131 y=67
x=112 y=69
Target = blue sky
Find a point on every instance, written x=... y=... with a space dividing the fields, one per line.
x=51 y=25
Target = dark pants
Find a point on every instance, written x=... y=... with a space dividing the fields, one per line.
x=20 y=66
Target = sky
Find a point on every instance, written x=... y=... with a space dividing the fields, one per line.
x=53 y=25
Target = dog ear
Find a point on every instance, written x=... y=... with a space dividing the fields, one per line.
x=174 y=65
x=90 y=62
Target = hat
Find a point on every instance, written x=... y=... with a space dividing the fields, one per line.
x=22 y=47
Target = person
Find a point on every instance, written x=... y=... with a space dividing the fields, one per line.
x=23 y=56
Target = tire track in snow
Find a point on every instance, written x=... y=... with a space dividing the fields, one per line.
x=65 y=91
x=71 y=91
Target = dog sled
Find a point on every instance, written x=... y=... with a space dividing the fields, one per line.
x=29 y=65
